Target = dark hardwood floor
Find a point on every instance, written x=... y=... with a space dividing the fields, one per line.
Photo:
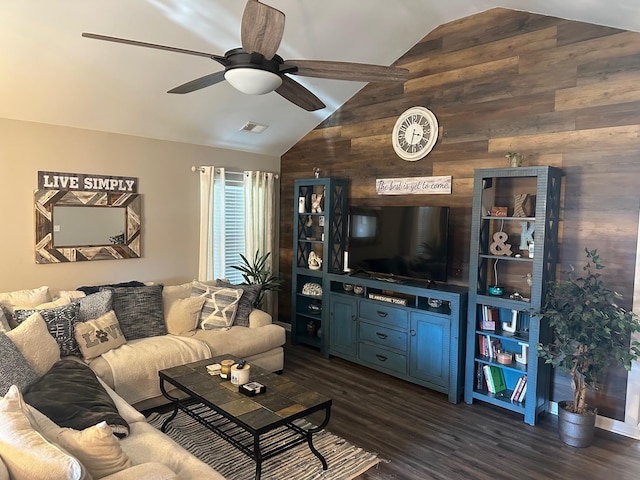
x=420 y=435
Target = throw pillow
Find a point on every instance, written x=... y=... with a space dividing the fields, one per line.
x=139 y=311
x=14 y=368
x=220 y=306
x=88 y=290
x=28 y=298
x=26 y=453
x=182 y=314
x=96 y=447
x=177 y=291
x=71 y=395
x=249 y=295
x=60 y=322
x=4 y=323
x=98 y=336
x=36 y=344
x=94 y=305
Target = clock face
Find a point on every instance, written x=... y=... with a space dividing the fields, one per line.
x=415 y=133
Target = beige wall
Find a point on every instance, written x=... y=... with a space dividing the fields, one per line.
x=169 y=189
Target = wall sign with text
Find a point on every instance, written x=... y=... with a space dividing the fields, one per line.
x=414 y=186
x=86 y=182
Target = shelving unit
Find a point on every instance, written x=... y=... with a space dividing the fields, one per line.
x=321 y=232
x=495 y=242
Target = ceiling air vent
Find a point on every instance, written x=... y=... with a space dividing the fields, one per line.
x=253 y=127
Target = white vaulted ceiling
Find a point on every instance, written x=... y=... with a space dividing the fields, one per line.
x=50 y=74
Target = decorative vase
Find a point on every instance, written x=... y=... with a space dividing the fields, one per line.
x=312 y=328
x=575 y=429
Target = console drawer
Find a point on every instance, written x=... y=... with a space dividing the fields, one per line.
x=383 y=336
x=383 y=358
x=384 y=313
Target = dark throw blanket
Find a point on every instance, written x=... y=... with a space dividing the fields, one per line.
x=70 y=395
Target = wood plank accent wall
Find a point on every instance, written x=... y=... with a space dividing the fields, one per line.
x=563 y=93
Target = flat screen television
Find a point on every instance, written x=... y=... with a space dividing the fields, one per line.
x=408 y=242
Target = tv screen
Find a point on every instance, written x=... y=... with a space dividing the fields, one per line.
x=409 y=242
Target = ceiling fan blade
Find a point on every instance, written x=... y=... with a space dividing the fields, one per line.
x=357 y=72
x=126 y=41
x=261 y=29
x=199 y=83
x=296 y=93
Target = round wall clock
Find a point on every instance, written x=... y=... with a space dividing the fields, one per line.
x=415 y=133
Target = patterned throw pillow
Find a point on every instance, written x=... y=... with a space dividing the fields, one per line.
x=249 y=295
x=139 y=311
x=61 y=323
x=94 y=305
x=14 y=368
x=220 y=306
x=98 y=336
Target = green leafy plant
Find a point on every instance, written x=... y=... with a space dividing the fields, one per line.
x=590 y=330
x=257 y=273
x=515 y=159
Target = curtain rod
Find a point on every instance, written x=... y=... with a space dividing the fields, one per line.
x=201 y=169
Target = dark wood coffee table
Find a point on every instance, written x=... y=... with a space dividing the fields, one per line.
x=261 y=426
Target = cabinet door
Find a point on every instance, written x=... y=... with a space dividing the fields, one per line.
x=429 y=349
x=342 y=326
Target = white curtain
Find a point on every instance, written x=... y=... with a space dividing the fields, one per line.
x=212 y=181
x=260 y=222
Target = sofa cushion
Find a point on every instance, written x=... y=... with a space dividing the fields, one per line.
x=71 y=395
x=60 y=322
x=146 y=471
x=139 y=311
x=25 y=451
x=98 y=336
x=220 y=305
x=245 y=306
x=36 y=344
x=242 y=341
x=89 y=289
x=182 y=314
x=94 y=305
x=14 y=368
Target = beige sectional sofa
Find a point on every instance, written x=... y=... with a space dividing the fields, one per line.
x=125 y=341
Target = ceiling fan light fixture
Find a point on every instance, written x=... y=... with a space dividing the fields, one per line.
x=253 y=81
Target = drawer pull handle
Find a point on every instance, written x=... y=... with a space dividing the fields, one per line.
x=413 y=333
x=382 y=358
x=353 y=318
x=381 y=335
x=381 y=313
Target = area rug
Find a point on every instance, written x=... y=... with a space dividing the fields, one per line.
x=345 y=461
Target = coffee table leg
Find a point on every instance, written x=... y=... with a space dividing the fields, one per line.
x=311 y=431
x=258 y=455
x=175 y=406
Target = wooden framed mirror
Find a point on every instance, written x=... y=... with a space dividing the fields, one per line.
x=77 y=226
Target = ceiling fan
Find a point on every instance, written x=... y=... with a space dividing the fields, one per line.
x=255 y=68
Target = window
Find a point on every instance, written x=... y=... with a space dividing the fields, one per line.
x=229 y=240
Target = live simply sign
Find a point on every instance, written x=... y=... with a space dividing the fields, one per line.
x=86 y=182
x=413 y=186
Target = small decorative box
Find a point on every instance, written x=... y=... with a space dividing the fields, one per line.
x=252 y=389
x=498 y=211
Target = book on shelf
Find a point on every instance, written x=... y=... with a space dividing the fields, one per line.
x=488 y=346
x=520 y=389
x=494 y=378
x=490 y=318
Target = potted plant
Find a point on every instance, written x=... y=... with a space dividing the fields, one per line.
x=258 y=273
x=590 y=332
